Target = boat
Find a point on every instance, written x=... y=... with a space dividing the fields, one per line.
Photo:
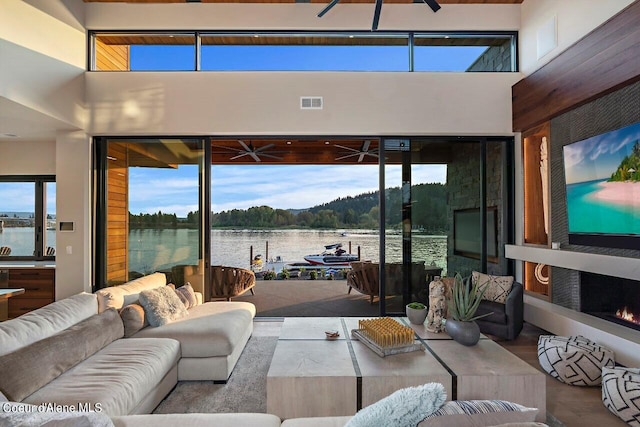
x=332 y=255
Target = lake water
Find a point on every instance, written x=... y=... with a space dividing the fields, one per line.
x=152 y=250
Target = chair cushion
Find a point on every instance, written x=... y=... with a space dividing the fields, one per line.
x=497 y=288
x=621 y=393
x=574 y=360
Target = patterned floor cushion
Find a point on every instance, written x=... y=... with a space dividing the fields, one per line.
x=574 y=360
x=621 y=393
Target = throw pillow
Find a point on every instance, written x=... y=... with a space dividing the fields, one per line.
x=405 y=407
x=162 y=305
x=472 y=413
x=497 y=287
x=187 y=295
x=621 y=393
x=133 y=318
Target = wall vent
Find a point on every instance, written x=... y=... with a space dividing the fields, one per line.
x=311 y=103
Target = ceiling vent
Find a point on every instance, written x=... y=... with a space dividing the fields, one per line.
x=311 y=103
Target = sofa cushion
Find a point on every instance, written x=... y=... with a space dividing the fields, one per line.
x=119 y=296
x=25 y=415
x=162 y=305
x=46 y=321
x=498 y=314
x=497 y=288
x=27 y=369
x=140 y=367
x=475 y=413
x=198 y=420
x=317 y=422
x=211 y=329
x=133 y=318
x=187 y=295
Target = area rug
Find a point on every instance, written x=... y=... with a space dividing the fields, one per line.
x=245 y=391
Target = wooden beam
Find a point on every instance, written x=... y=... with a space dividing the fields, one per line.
x=603 y=61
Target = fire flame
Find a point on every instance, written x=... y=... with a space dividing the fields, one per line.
x=628 y=316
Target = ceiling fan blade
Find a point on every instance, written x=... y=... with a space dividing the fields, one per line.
x=328 y=8
x=361 y=157
x=271 y=156
x=347 y=148
x=433 y=4
x=245 y=146
x=365 y=145
x=255 y=156
x=236 y=150
x=244 y=153
x=266 y=147
x=376 y=15
x=347 y=156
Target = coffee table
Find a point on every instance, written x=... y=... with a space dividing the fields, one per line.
x=312 y=376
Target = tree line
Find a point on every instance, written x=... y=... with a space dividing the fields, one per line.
x=428 y=213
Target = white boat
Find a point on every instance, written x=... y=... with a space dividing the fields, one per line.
x=332 y=255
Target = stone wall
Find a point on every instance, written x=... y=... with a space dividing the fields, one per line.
x=612 y=111
x=463 y=183
x=495 y=58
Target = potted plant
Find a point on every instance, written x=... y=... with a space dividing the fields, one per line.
x=465 y=299
x=284 y=274
x=269 y=275
x=313 y=275
x=416 y=312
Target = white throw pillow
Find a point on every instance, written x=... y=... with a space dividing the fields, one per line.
x=497 y=288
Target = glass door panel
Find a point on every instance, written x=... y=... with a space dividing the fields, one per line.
x=154 y=224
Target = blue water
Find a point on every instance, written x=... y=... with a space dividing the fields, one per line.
x=589 y=215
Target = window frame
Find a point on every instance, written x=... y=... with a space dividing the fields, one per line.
x=39 y=213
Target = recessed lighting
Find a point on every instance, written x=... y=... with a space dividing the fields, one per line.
x=351 y=37
x=288 y=142
x=327 y=143
x=446 y=37
x=111 y=158
x=256 y=36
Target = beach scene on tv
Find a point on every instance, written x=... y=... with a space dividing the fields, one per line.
x=602 y=174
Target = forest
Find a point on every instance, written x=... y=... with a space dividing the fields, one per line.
x=428 y=212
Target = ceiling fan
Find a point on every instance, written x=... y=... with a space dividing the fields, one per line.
x=250 y=150
x=361 y=153
x=433 y=4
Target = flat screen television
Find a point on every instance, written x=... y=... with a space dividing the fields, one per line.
x=602 y=176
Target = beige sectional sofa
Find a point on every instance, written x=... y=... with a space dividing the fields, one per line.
x=211 y=337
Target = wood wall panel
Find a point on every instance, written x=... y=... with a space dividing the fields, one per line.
x=603 y=61
x=117 y=214
x=111 y=57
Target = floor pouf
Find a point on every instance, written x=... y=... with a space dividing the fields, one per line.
x=621 y=393
x=574 y=360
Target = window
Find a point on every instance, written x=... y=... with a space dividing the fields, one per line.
x=304 y=51
x=27 y=217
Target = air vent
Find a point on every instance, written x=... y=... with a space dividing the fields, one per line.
x=311 y=103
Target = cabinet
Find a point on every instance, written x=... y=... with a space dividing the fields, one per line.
x=39 y=289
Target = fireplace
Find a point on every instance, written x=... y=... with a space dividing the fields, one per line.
x=611 y=298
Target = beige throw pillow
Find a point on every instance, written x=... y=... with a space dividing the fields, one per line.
x=162 y=306
x=497 y=287
x=133 y=318
x=187 y=295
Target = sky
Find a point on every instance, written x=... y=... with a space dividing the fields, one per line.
x=245 y=186
x=20 y=197
x=599 y=156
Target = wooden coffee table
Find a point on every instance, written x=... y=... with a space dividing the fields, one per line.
x=312 y=376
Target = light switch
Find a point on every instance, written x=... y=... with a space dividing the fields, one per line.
x=69 y=250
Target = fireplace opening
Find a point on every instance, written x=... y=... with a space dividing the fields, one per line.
x=611 y=298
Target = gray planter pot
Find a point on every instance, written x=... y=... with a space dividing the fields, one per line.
x=416 y=316
x=465 y=333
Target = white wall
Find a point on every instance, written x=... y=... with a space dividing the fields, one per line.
x=27 y=158
x=73 y=203
x=574 y=18
x=269 y=103
x=252 y=16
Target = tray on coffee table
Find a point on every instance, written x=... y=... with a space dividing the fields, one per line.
x=384 y=351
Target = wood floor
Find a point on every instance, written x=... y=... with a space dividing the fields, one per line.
x=571 y=406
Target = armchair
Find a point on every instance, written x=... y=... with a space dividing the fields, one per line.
x=507 y=319
x=228 y=282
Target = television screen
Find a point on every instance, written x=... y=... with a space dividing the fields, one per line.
x=602 y=176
